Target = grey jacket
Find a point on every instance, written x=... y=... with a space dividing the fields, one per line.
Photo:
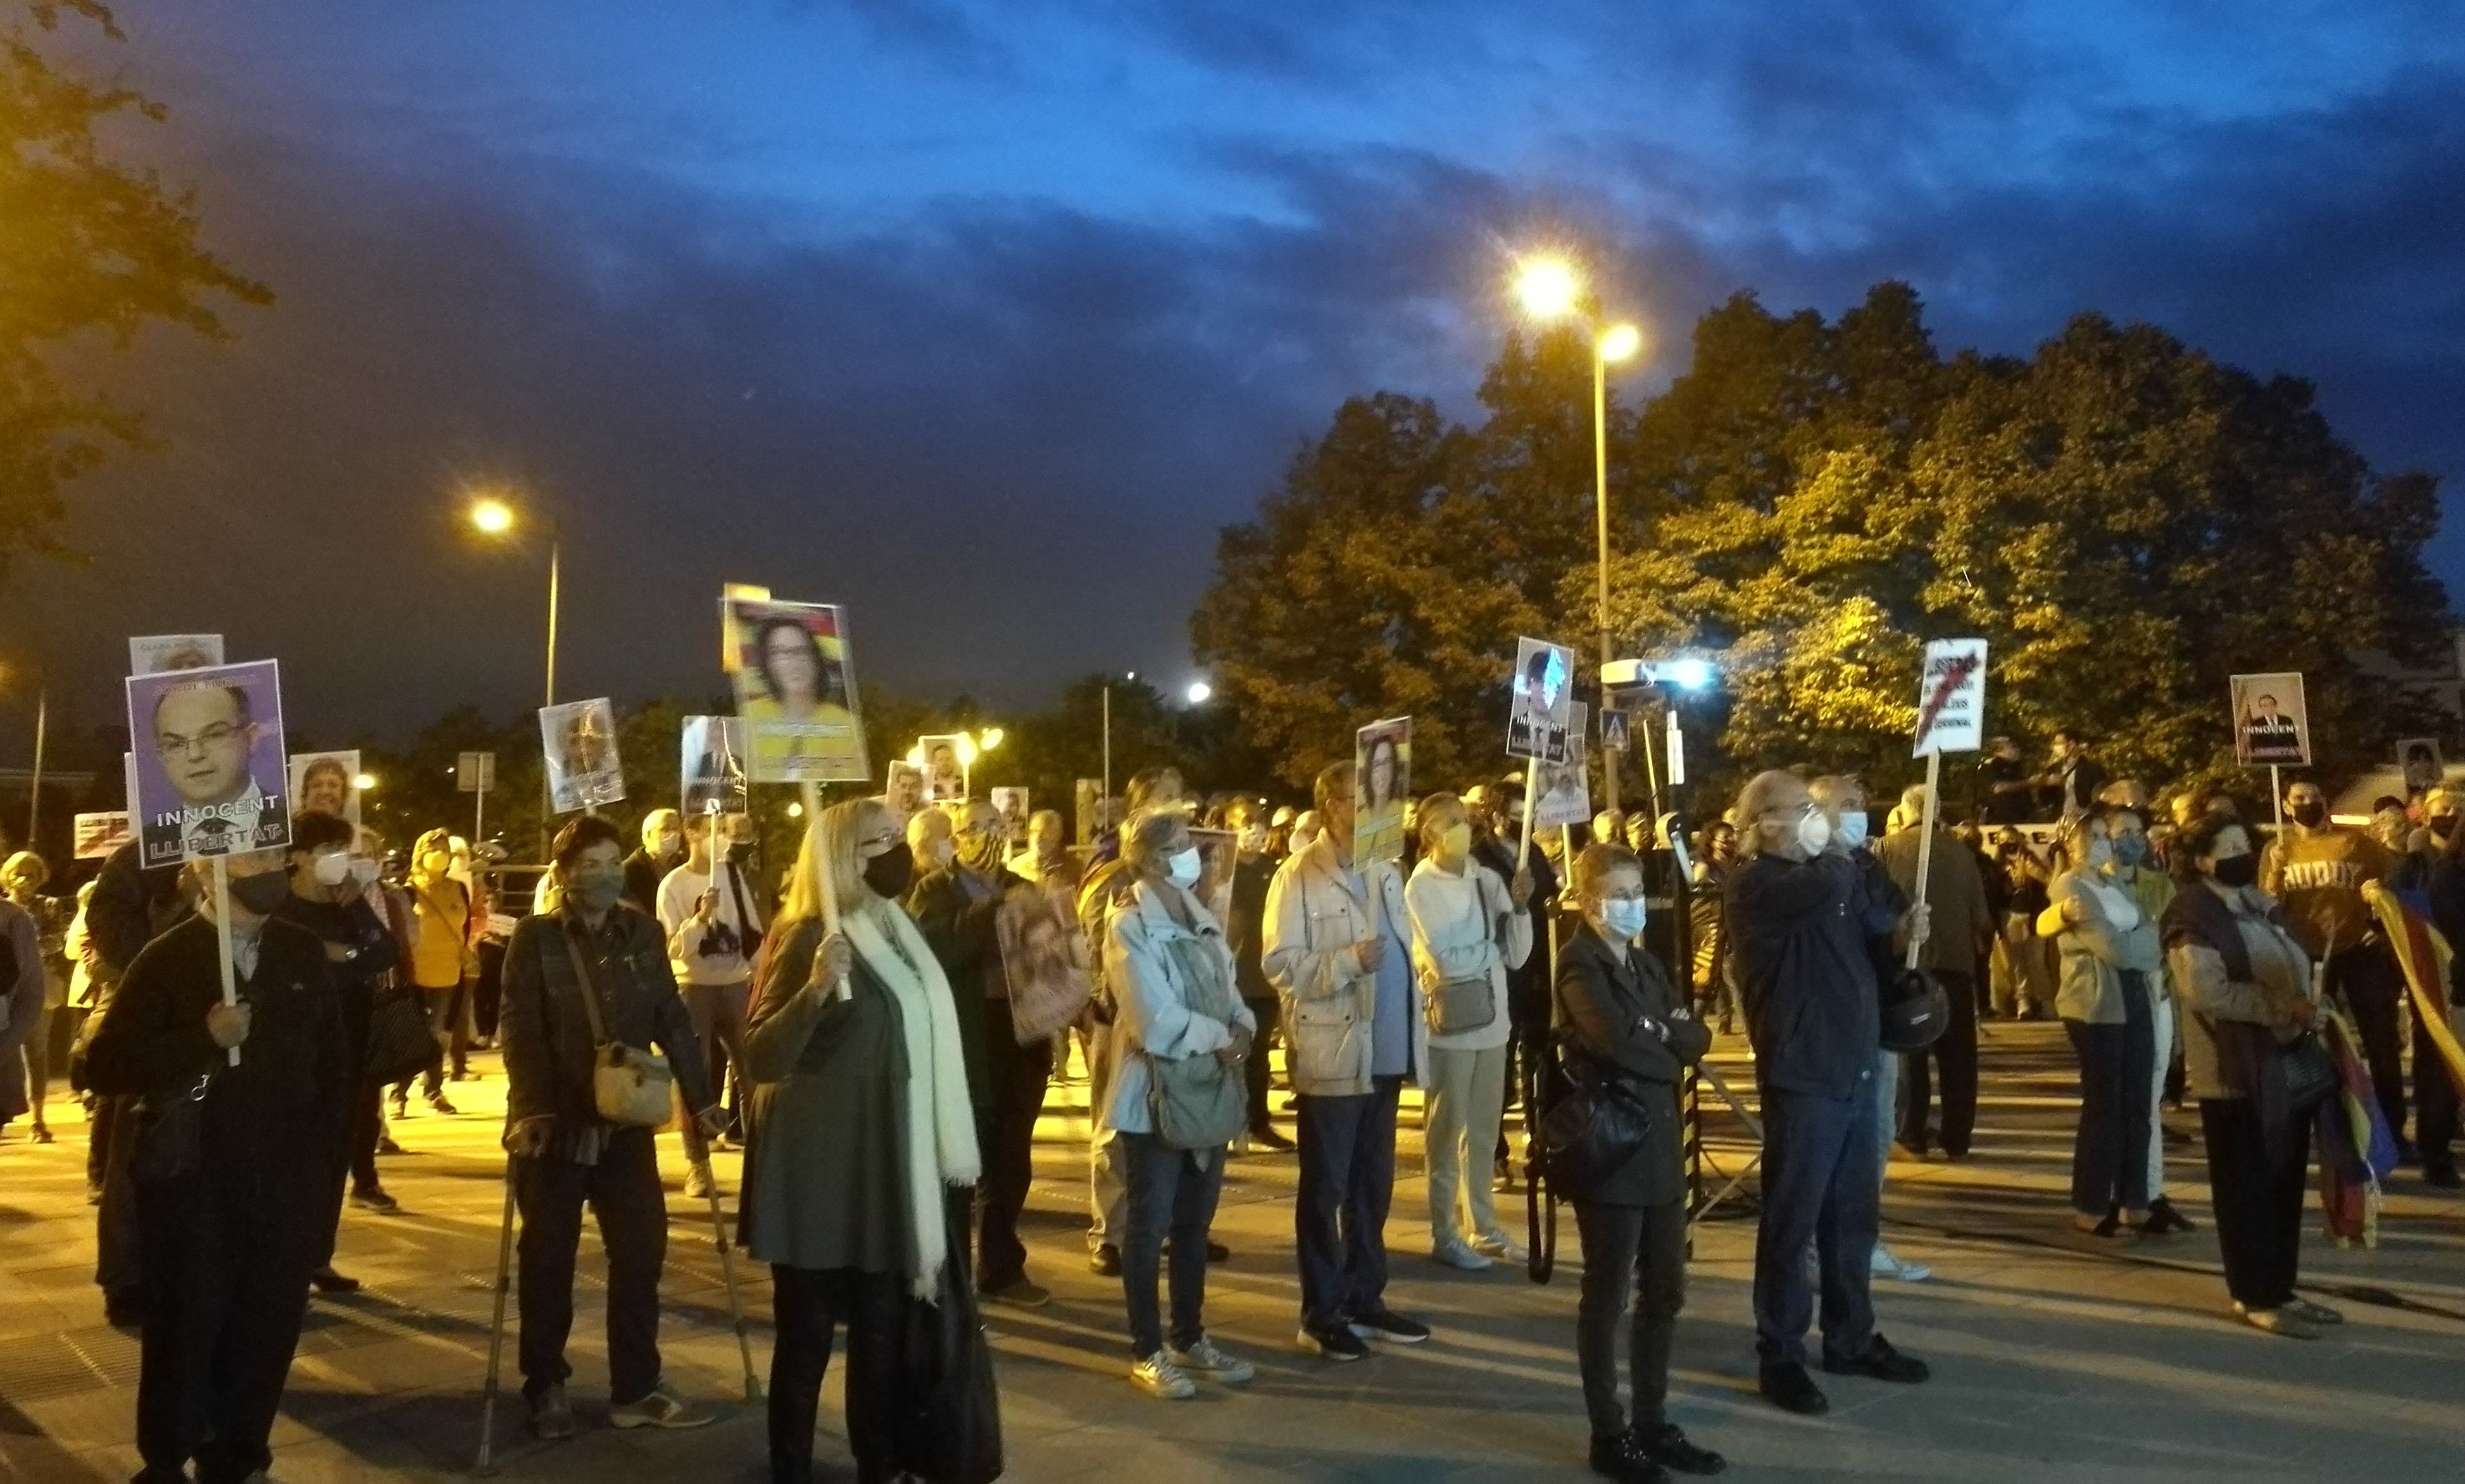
x=2096 y=951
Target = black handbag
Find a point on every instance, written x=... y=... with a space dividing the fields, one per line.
x=1596 y=1124
x=170 y=1132
x=951 y=1432
x=400 y=1044
x=2309 y=1073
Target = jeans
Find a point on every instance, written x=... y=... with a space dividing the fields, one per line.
x=809 y=1306
x=1820 y=1184
x=2257 y=1198
x=447 y=1021
x=1467 y=1103
x=1006 y=1131
x=718 y=1015
x=623 y=1192
x=2110 y=1151
x=1954 y=1053
x=1636 y=1251
x=2367 y=979
x=1347 y=1181
x=1170 y=1194
x=1108 y=1188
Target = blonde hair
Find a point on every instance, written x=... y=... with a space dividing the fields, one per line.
x=1754 y=801
x=831 y=837
x=1439 y=811
x=26 y=861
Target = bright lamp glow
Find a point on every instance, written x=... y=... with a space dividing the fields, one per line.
x=1691 y=675
x=795 y=810
x=1200 y=693
x=1547 y=287
x=1620 y=343
x=491 y=516
x=988 y=739
x=364 y=781
x=967 y=750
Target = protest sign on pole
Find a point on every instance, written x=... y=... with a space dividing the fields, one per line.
x=98 y=834
x=1543 y=693
x=713 y=767
x=794 y=677
x=944 y=759
x=153 y=653
x=2419 y=763
x=578 y=740
x=2270 y=726
x=1382 y=780
x=1951 y=718
x=1564 y=797
x=1011 y=804
x=328 y=782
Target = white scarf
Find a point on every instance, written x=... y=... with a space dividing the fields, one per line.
x=941 y=1122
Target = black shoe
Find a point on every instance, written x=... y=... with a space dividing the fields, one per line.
x=1385 y=1324
x=1670 y=1448
x=330 y=1282
x=1615 y=1458
x=1268 y=1138
x=1788 y=1388
x=1105 y=1261
x=1217 y=1251
x=373 y=1198
x=1880 y=1361
x=123 y=1309
x=2442 y=1175
x=1330 y=1341
x=2163 y=1220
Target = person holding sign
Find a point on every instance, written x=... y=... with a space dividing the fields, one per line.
x=1803 y=925
x=229 y=1162
x=593 y=974
x=1959 y=937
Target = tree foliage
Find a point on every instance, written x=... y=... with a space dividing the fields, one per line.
x=92 y=249
x=2125 y=519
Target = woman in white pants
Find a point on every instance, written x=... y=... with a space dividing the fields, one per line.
x=1468 y=927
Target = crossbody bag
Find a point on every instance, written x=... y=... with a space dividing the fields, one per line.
x=629 y=1086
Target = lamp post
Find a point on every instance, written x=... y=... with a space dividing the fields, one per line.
x=1550 y=288
x=495 y=517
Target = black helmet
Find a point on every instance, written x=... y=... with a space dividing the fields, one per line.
x=1915 y=1010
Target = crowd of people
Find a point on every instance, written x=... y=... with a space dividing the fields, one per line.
x=879 y=1025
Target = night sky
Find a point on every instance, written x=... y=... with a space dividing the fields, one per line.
x=981 y=318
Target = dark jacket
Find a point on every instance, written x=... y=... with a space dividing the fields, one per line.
x=369 y=954
x=130 y=907
x=278 y=1111
x=960 y=925
x=545 y=1029
x=1245 y=926
x=1802 y=935
x=1620 y=1008
x=643 y=875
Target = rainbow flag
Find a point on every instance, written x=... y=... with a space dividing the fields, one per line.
x=2426 y=956
x=2355 y=1149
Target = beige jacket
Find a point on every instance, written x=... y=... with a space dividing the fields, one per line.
x=1315 y=922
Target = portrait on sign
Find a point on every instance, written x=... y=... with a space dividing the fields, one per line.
x=1540 y=708
x=1382 y=781
x=795 y=690
x=2269 y=724
x=1562 y=794
x=712 y=749
x=578 y=740
x=155 y=653
x=944 y=761
x=328 y=782
x=1012 y=804
x=2418 y=759
x=208 y=766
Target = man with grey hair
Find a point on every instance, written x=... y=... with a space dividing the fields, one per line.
x=1803 y=925
x=1959 y=933
x=1842 y=796
x=1336 y=949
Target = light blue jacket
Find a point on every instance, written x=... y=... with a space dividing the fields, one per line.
x=1152 y=994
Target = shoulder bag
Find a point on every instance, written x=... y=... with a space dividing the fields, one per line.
x=629 y=1086
x=1201 y=1101
x=1454 y=1006
x=400 y=1042
x=1596 y=1124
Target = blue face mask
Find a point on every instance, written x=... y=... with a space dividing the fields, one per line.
x=1623 y=918
x=2130 y=849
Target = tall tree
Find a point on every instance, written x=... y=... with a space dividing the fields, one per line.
x=92 y=249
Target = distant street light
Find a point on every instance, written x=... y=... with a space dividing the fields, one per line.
x=1200 y=693
x=364 y=781
x=1548 y=286
x=493 y=516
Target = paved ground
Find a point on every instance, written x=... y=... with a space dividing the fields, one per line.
x=2056 y=1358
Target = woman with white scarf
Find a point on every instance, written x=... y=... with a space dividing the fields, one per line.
x=860 y=1130
x=1172 y=974
x=2112 y=964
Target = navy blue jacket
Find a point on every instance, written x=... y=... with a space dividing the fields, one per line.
x=1804 y=937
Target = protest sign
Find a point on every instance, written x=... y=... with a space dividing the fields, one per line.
x=1539 y=711
x=579 y=741
x=2271 y=728
x=714 y=766
x=209 y=772
x=326 y=782
x=1012 y=804
x=2418 y=761
x=1562 y=794
x=795 y=691
x=1087 y=798
x=1044 y=959
x=154 y=653
x=944 y=760
x=1382 y=781
x=1951 y=697
x=97 y=835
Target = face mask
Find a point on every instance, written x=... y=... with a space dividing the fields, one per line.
x=330 y=870
x=2443 y=824
x=435 y=863
x=595 y=890
x=2311 y=815
x=668 y=843
x=984 y=851
x=1254 y=840
x=363 y=872
x=944 y=852
x=891 y=872
x=1184 y=868
x=740 y=851
x=2130 y=849
x=1455 y=842
x=1814 y=832
x=1853 y=828
x=260 y=893
x=1624 y=919
x=2099 y=855
x=2236 y=870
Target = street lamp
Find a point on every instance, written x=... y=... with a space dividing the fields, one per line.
x=364 y=783
x=495 y=518
x=1200 y=693
x=1549 y=287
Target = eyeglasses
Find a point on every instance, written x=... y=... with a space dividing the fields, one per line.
x=172 y=745
x=1633 y=895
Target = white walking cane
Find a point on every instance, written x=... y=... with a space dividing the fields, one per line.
x=485 y=1465
x=726 y=1264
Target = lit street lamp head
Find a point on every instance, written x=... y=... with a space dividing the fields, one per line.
x=491 y=516
x=1619 y=342
x=1200 y=693
x=1548 y=287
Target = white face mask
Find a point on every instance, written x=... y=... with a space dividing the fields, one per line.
x=332 y=868
x=363 y=871
x=1254 y=839
x=946 y=852
x=1853 y=828
x=1184 y=868
x=2100 y=855
x=1814 y=832
x=1624 y=919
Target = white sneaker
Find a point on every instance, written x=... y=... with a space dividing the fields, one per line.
x=697 y=1184
x=1498 y=1246
x=1158 y=1377
x=1456 y=1254
x=1883 y=1265
x=1206 y=1360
